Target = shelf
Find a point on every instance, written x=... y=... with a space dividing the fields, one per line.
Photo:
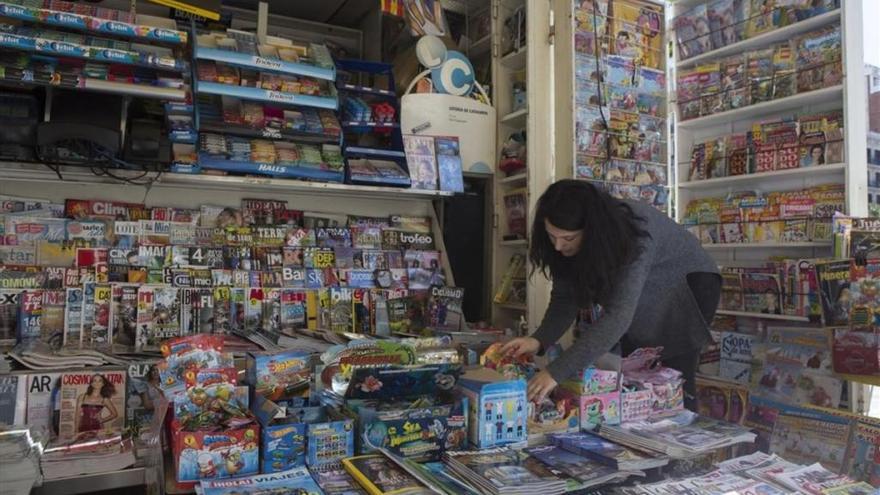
x=863 y=379
x=29 y=77
x=38 y=173
x=515 y=60
x=512 y=306
x=513 y=179
x=480 y=46
x=830 y=170
x=97 y=54
x=91 y=24
x=314 y=172
x=264 y=64
x=368 y=126
x=515 y=242
x=367 y=90
x=794 y=102
x=517 y=118
x=359 y=151
x=765 y=39
x=768 y=245
x=258 y=94
x=726 y=312
x=90 y=483
x=267 y=133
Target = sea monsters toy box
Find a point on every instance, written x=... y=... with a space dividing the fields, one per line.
x=200 y=455
x=498 y=410
x=422 y=432
x=300 y=436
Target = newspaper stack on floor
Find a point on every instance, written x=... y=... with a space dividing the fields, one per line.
x=98 y=455
x=587 y=472
x=20 y=450
x=682 y=436
x=501 y=471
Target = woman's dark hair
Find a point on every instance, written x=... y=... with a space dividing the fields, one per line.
x=107 y=390
x=610 y=238
x=820 y=148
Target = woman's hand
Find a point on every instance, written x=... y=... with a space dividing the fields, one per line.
x=540 y=386
x=521 y=345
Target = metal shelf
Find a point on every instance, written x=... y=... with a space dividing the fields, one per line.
x=794 y=102
x=367 y=90
x=267 y=133
x=90 y=24
x=765 y=39
x=259 y=94
x=726 y=312
x=830 y=170
x=515 y=60
x=264 y=64
x=33 y=172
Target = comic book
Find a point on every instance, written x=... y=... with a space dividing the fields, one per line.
x=423 y=269
x=819 y=59
x=591 y=126
x=721 y=23
x=797 y=368
x=73 y=316
x=637 y=33
x=865 y=306
x=862 y=459
x=92 y=402
x=421 y=161
x=449 y=164
x=761 y=293
x=692 y=32
x=834 y=291
x=515 y=214
x=445 y=308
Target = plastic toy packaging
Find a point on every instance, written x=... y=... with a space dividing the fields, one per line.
x=511 y=368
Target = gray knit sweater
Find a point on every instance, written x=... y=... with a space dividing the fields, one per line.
x=651 y=301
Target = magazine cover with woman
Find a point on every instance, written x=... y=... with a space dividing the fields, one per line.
x=92 y=403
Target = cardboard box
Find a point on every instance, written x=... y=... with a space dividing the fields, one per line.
x=557 y=414
x=498 y=409
x=281 y=375
x=200 y=455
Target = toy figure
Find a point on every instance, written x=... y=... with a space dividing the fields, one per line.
x=233 y=461
x=593 y=411
x=206 y=466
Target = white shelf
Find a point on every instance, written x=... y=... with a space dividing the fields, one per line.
x=516 y=242
x=512 y=306
x=765 y=39
x=794 y=102
x=517 y=118
x=30 y=172
x=515 y=60
x=727 y=312
x=513 y=179
x=768 y=245
x=480 y=46
x=830 y=170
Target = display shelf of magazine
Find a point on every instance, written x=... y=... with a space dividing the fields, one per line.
x=396 y=175
x=745 y=314
x=18 y=40
x=265 y=64
x=761 y=178
x=258 y=94
x=777 y=35
x=766 y=245
x=93 y=24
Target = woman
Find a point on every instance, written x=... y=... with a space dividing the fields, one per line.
x=655 y=283
x=91 y=405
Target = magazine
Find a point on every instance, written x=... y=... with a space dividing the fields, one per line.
x=500 y=471
x=449 y=164
x=379 y=475
x=821 y=438
x=761 y=293
x=611 y=454
x=421 y=161
x=862 y=459
x=335 y=480
x=297 y=480
x=811 y=479
x=515 y=214
x=445 y=308
x=92 y=402
x=588 y=471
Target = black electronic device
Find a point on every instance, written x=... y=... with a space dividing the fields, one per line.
x=83 y=128
x=19 y=117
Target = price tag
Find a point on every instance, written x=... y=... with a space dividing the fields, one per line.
x=266 y=63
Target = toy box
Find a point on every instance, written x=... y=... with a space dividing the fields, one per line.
x=279 y=376
x=601 y=378
x=200 y=455
x=596 y=409
x=412 y=430
x=295 y=437
x=556 y=414
x=498 y=409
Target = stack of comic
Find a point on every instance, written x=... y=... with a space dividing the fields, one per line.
x=20 y=449
x=501 y=471
x=684 y=435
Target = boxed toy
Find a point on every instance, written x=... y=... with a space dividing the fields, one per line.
x=555 y=414
x=596 y=409
x=649 y=388
x=498 y=410
x=297 y=436
x=420 y=430
x=209 y=454
x=280 y=376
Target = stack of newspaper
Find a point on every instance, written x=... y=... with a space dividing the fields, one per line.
x=682 y=436
x=500 y=471
x=98 y=455
x=20 y=450
x=38 y=356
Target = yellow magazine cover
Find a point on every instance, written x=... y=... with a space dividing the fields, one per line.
x=380 y=476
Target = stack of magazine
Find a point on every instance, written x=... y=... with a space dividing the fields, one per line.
x=20 y=449
x=588 y=473
x=97 y=455
x=501 y=471
x=683 y=435
x=608 y=453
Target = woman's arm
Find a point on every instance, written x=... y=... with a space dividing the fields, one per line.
x=79 y=411
x=559 y=315
x=113 y=413
x=617 y=316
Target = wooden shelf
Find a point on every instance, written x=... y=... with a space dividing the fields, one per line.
x=765 y=39
x=513 y=179
x=512 y=306
x=830 y=170
x=517 y=118
x=768 y=245
x=726 y=312
x=794 y=102
x=515 y=242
